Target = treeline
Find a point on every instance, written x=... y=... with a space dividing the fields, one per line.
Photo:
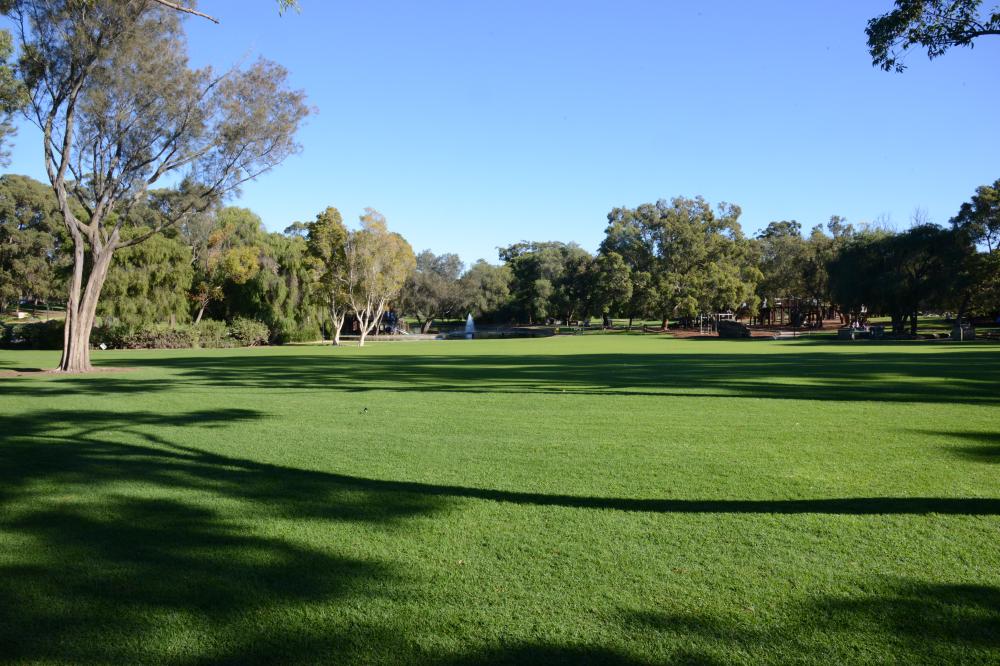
x=671 y=260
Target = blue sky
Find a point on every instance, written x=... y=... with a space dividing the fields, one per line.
x=477 y=124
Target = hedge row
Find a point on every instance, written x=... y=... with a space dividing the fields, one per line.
x=206 y=334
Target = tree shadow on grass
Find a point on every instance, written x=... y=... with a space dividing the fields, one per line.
x=888 y=373
x=121 y=546
x=116 y=552
x=946 y=376
x=893 y=620
x=987 y=450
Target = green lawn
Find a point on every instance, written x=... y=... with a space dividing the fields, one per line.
x=588 y=499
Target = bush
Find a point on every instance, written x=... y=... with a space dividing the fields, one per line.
x=287 y=330
x=212 y=334
x=154 y=336
x=36 y=335
x=249 y=332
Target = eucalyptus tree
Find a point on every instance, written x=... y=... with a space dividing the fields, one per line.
x=326 y=242
x=704 y=263
x=979 y=221
x=120 y=111
x=936 y=25
x=31 y=252
x=378 y=264
x=612 y=283
x=434 y=289
x=486 y=290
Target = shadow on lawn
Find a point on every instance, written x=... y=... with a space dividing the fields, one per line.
x=940 y=375
x=987 y=450
x=125 y=547
x=893 y=620
x=143 y=553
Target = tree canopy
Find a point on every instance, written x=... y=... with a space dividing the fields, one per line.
x=935 y=25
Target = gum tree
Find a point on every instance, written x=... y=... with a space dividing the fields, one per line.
x=326 y=247
x=378 y=263
x=120 y=111
x=936 y=25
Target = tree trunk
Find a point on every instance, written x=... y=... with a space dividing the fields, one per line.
x=81 y=311
x=201 y=311
x=426 y=326
x=913 y=324
x=337 y=325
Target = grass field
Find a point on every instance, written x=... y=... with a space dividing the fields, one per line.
x=591 y=499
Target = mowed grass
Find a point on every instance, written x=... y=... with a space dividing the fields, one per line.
x=590 y=499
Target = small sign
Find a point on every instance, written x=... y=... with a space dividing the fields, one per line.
x=103 y=346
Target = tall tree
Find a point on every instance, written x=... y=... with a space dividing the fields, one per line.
x=613 y=284
x=434 y=290
x=31 y=253
x=13 y=95
x=936 y=25
x=232 y=255
x=979 y=221
x=120 y=110
x=378 y=265
x=327 y=251
x=486 y=289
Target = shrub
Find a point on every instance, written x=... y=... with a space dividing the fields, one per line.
x=249 y=332
x=287 y=330
x=36 y=335
x=210 y=333
x=157 y=336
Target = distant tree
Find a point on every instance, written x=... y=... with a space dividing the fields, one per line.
x=899 y=274
x=936 y=25
x=31 y=253
x=486 y=289
x=231 y=256
x=148 y=282
x=703 y=258
x=980 y=217
x=13 y=95
x=378 y=265
x=782 y=256
x=821 y=248
x=979 y=221
x=434 y=290
x=120 y=110
x=549 y=279
x=613 y=284
x=300 y=229
x=327 y=260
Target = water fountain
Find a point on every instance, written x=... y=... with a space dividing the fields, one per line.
x=470 y=328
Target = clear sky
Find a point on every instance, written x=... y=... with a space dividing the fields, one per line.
x=477 y=124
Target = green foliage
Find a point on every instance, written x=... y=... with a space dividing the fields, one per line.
x=249 y=332
x=209 y=334
x=548 y=279
x=148 y=282
x=980 y=217
x=326 y=266
x=34 y=335
x=936 y=25
x=900 y=274
x=486 y=288
x=32 y=259
x=434 y=289
x=13 y=95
